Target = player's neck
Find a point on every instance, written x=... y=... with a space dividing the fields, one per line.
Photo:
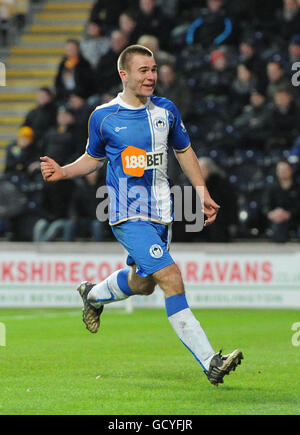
x=133 y=100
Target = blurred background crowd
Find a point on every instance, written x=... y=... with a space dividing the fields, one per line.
x=227 y=64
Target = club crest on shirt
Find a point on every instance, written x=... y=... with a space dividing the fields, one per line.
x=156 y=251
x=160 y=124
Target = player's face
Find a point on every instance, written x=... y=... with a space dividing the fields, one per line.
x=142 y=76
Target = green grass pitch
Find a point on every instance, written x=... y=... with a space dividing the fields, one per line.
x=136 y=365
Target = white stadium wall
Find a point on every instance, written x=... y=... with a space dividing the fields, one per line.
x=231 y=275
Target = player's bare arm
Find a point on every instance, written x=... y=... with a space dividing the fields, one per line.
x=190 y=166
x=53 y=172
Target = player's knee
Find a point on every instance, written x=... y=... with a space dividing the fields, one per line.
x=143 y=289
x=141 y=286
x=148 y=289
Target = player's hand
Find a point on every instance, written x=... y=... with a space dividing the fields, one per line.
x=211 y=209
x=51 y=170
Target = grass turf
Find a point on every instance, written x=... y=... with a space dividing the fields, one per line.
x=137 y=365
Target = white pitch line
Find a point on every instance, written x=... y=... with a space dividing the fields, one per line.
x=40 y=315
x=54 y=315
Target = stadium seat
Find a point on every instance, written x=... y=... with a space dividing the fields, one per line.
x=33 y=62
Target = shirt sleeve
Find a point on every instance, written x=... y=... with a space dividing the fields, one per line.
x=178 y=136
x=95 y=144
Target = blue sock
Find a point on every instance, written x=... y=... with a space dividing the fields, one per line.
x=176 y=303
x=122 y=280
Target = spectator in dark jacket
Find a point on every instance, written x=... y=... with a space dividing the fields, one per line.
x=242 y=86
x=212 y=28
x=152 y=21
x=294 y=49
x=63 y=143
x=83 y=221
x=217 y=183
x=81 y=110
x=54 y=211
x=73 y=72
x=249 y=53
x=129 y=26
x=106 y=75
x=171 y=85
x=43 y=116
x=106 y=12
x=217 y=80
x=22 y=156
x=284 y=120
x=277 y=78
x=263 y=13
x=288 y=19
x=282 y=203
x=23 y=169
x=253 y=124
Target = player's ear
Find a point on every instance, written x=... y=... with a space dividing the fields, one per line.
x=123 y=75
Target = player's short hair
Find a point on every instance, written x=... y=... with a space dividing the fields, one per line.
x=128 y=52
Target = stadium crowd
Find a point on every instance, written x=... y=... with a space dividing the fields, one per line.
x=13 y=15
x=227 y=65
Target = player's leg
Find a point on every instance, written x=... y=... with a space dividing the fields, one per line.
x=94 y=296
x=118 y=286
x=137 y=237
x=114 y=288
x=181 y=317
x=189 y=329
x=147 y=244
